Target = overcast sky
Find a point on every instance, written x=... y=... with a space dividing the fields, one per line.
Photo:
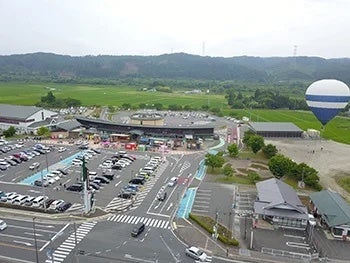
x=151 y=27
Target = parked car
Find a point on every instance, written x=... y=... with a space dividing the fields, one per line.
x=196 y=253
x=34 y=166
x=125 y=195
x=63 y=207
x=136 y=181
x=41 y=183
x=62 y=171
x=55 y=204
x=94 y=186
x=103 y=179
x=109 y=176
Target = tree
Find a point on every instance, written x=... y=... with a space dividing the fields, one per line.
x=256 y=142
x=158 y=106
x=269 y=150
x=247 y=136
x=232 y=150
x=228 y=170
x=214 y=161
x=253 y=177
x=126 y=106
x=9 y=132
x=43 y=131
x=280 y=165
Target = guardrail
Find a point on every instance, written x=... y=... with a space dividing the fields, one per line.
x=289 y=254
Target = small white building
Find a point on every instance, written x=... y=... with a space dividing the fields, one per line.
x=24 y=118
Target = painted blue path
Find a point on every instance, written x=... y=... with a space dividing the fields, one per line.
x=186 y=203
x=201 y=172
x=37 y=176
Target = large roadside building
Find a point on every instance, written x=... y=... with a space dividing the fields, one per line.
x=25 y=119
x=275 y=129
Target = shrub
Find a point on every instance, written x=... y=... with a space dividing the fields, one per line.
x=207 y=223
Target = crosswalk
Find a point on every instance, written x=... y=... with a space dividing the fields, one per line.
x=151 y=222
x=76 y=207
x=60 y=254
x=120 y=204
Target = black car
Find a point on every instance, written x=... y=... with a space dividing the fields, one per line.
x=96 y=151
x=116 y=167
x=138 y=229
x=64 y=206
x=161 y=196
x=75 y=188
x=103 y=179
x=48 y=202
x=17 y=160
x=125 y=195
x=136 y=181
x=109 y=176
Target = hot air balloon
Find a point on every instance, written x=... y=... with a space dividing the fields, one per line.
x=326 y=98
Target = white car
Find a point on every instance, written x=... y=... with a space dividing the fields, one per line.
x=312 y=220
x=34 y=166
x=172 y=181
x=55 y=204
x=3 y=225
x=62 y=149
x=196 y=253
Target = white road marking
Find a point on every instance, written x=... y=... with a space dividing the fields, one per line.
x=117 y=183
x=24 y=243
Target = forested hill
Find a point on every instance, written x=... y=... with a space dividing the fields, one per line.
x=170 y=66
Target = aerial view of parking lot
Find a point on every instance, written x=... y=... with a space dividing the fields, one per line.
x=174 y=132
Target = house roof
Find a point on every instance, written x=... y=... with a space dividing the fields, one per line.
x=274 y=126
x=17 y=111
x=45 y=122
x=276 y=198
x=332 y=207
x=68 y=125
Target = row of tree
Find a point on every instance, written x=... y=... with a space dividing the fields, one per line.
x=50 y=101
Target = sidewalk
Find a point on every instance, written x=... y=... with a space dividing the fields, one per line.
x=192 y=234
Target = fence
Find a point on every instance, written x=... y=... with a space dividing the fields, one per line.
x=289 y=254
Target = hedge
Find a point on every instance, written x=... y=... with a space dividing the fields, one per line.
x=207 y=223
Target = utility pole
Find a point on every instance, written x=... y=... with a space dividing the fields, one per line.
x=35 y=243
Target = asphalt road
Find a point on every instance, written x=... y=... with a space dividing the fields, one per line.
x=17 y=240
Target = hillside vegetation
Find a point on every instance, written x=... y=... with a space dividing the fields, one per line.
x=100 y=69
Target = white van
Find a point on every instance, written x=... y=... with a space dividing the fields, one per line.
x=11 y=198
x=29 y=201
x=55 y=204
x=37 y=202
x=20 y=200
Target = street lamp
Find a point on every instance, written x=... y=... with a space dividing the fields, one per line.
x=35 y=243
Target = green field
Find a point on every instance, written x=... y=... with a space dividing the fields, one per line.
x=28 y=94
x=89 y=95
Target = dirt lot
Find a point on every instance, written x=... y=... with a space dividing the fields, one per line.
x=328 y=157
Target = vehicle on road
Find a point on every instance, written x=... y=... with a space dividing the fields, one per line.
x=75 y=188
x=138 y=229
x=61 y=149
x=196 y=253
x=162 y=196
x=172 y=181
x=3 y=225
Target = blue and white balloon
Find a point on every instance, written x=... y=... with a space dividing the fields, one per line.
x=326 y=98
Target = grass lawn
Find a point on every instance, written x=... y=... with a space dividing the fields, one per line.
x=344 y=181
x=89 y=95
x=252 y=156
